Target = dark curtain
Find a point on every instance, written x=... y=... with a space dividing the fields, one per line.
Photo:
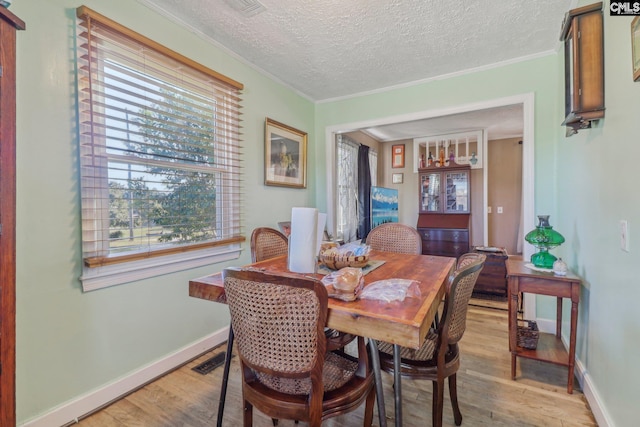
x=364 y=192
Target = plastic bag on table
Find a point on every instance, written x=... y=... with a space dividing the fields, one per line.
x=391 y=290
x=344 y=284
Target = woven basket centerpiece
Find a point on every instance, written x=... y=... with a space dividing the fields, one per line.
x=349 y=255
x=336 y=261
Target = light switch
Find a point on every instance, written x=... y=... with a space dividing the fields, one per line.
x=488 y=209
x=499 y=209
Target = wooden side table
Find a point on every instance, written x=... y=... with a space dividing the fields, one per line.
x=550 y=347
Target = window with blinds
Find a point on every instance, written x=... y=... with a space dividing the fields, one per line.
x=159 y=148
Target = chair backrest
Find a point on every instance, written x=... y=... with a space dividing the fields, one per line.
x=278 y=322
x=459 y=291
x=395 y=237
x=267 y=243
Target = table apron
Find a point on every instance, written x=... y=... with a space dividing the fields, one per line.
x=543 y=287
x=377 y=329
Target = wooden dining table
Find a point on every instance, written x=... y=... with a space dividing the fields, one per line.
x=402 y=323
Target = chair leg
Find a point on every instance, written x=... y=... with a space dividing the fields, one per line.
x=368 y=408
x=453 y=394
x=274 y=421
x=248 y=414
x=438 y=403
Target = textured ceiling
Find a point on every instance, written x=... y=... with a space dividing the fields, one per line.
x=328 y=49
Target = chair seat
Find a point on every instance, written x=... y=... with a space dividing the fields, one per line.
x=425 y=352
x=338 y=369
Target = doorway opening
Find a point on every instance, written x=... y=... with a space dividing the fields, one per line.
x=525 y=101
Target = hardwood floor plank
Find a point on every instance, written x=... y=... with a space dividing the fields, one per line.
x=487 y=395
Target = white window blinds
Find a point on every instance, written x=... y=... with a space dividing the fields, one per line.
x=159 y=147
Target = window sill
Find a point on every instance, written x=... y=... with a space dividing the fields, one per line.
x=117 y=274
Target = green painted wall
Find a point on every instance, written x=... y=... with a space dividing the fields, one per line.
x=69 y=342
x=597 y=187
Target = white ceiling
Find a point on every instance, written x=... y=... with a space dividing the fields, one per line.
x=329 y=49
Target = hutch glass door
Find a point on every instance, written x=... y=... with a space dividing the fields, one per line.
x=430 y=192
x=457 y=192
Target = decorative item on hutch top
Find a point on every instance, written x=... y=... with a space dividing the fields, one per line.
x=544 y=237
x=285 y=155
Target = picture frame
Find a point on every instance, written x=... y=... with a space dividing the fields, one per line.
x=285 y=227
x=285 y=155
x=397 y=178
x=635 y=47
x=397 y=156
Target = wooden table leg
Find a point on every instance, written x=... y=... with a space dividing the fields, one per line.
x=559 y=318
x=575 y=298
x=225 y=377
x=513 y=322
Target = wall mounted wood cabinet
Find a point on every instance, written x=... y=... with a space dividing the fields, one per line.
x=582 y=34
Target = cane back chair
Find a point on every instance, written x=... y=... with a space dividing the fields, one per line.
x=439 y=356
x=395 y=237
x=278 y=321
x=267 y=243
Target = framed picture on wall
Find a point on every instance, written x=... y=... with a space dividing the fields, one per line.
x=285 y=155
x=397 y=178
x=397 y=156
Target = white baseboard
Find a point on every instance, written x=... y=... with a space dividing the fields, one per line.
x=584 y=379
x=70 y=412
x=591 y=394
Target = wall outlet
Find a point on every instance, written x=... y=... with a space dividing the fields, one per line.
x=624 y=235
x=488 y=209
x=499 y=209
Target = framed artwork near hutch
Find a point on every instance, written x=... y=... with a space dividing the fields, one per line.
x=397 y=156
x=285 y=155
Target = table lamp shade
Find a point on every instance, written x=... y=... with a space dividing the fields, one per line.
x=544 y=237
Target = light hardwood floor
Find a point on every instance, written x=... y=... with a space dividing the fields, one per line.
x=487 y=395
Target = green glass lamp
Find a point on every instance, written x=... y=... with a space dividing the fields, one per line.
x=544 y=237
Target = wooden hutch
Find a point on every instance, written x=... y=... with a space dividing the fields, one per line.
x=444 y=214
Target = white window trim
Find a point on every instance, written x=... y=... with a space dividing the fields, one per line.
x=117 y=274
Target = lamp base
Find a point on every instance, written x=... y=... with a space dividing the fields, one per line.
x=543 y=259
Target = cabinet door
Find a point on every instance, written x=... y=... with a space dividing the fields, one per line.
x=430 y=190
x=457 y=192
